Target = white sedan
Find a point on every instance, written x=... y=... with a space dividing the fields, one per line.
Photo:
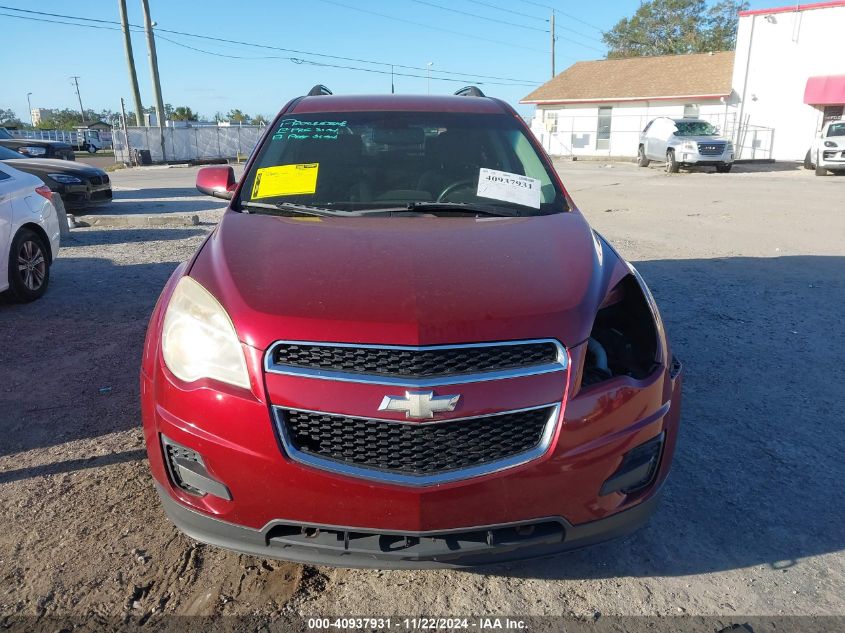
x=29 y=234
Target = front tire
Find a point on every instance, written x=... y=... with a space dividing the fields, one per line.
x=723 y=169
x=808 y=160
x=29 y=267
x=92 y=149
x=820 y=171
x=642 y=161
x=672 y=165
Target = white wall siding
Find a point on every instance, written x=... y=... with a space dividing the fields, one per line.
x=576 y=130
x=787 y=48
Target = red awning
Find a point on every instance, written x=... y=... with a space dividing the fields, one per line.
x=828 y=90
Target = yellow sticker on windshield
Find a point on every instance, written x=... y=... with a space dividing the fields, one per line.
x=285 y=180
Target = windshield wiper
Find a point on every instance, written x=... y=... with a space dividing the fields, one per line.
x=299 y=209
x=467 y=207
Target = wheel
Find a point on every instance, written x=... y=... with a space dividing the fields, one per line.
x=29 y=267
x=808 y=161
x=723 y=169
x=821 y=171
x=672 y=166
x=642 y=161
x=92 y=149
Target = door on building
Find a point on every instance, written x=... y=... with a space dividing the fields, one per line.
x=603 y=131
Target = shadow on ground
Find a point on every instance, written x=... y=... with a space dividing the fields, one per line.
x=758 y=472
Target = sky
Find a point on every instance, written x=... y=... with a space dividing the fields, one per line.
x=505 y=40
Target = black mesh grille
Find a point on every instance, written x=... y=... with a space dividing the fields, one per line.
x=415 y=363
x=415 y=448
x=173 y=452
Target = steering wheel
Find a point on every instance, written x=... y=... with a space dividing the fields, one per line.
x=455 y=186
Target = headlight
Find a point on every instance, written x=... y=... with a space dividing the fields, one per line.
x=32 y=151
x=689 y=146
x=198 y=338
x=830 y=144
x=65 y=179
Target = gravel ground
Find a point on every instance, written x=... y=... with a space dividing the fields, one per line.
x=748 y=270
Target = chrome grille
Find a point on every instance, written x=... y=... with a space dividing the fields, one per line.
x=416 y=366
x=711 y=149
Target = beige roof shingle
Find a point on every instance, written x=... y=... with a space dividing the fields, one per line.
x=697 y=75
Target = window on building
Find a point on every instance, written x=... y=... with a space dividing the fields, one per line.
x=691 y=111
x=551 y=121
x=603 y=131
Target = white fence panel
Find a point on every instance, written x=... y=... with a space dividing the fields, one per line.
x=189 y=143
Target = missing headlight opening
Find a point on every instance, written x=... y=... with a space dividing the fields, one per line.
x=623 y=341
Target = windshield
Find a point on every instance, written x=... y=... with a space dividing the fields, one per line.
x=8 y=154
x=836 y=129
x=695 y=128
x=373 y=160
x=4 y=133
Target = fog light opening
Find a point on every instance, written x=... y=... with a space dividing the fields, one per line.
x=188 y=472
x=638 y=468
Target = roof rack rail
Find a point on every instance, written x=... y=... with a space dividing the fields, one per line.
x=319 y=90
x=470 y=91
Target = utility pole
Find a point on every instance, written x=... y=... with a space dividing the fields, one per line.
x=428 y=76
x=392 y=87
x=125 y=131
x=130 y=62
x=151 y=44
x=552 y=31
x=29 y=103
x=81 y=109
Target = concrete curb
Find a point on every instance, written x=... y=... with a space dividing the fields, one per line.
x=137 y=221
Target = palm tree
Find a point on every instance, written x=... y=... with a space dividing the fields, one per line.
x=183 y=113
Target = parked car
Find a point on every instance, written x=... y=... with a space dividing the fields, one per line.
x=828 y=150
x=683 y=143
x=36 y=148
x=29 y=234
x=78 y=184
x=412 y=352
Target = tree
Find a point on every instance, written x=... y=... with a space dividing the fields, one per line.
x=236 y=116
x=675 y=27
x=183 y=113
x=259 y=119
x=8 y=118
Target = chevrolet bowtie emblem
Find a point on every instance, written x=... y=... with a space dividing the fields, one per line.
x=419 y=404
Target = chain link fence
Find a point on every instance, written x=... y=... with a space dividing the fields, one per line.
x=186 y=143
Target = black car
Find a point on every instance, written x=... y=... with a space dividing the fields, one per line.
x=36 y=148
x=78 y=184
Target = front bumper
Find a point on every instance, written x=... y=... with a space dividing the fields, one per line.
x=832 y=159
x=686 y=157
x=85 y=195
x=362 y=547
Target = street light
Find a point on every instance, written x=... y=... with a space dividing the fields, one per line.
x=29 y=103
x=428 y=75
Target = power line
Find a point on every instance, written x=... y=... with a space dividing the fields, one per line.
x=569 y=15
x=480 y=17
x=428 y=26
x=138 y=28
x=511 y=11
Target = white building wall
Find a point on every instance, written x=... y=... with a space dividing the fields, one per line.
x=575 y=131
x=776 y=54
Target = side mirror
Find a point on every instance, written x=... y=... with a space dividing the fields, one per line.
x=218 y=181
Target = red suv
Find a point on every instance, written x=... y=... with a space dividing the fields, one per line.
x=403 y=346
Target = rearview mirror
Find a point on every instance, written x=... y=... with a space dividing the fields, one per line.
x=218 y=181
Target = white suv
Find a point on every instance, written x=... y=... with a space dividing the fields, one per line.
x=828 y=151
x=684 y=142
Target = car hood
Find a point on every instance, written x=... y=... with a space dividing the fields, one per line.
x=412 y=281
x=701 y=139
x=52 y=165
x=35 y=142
